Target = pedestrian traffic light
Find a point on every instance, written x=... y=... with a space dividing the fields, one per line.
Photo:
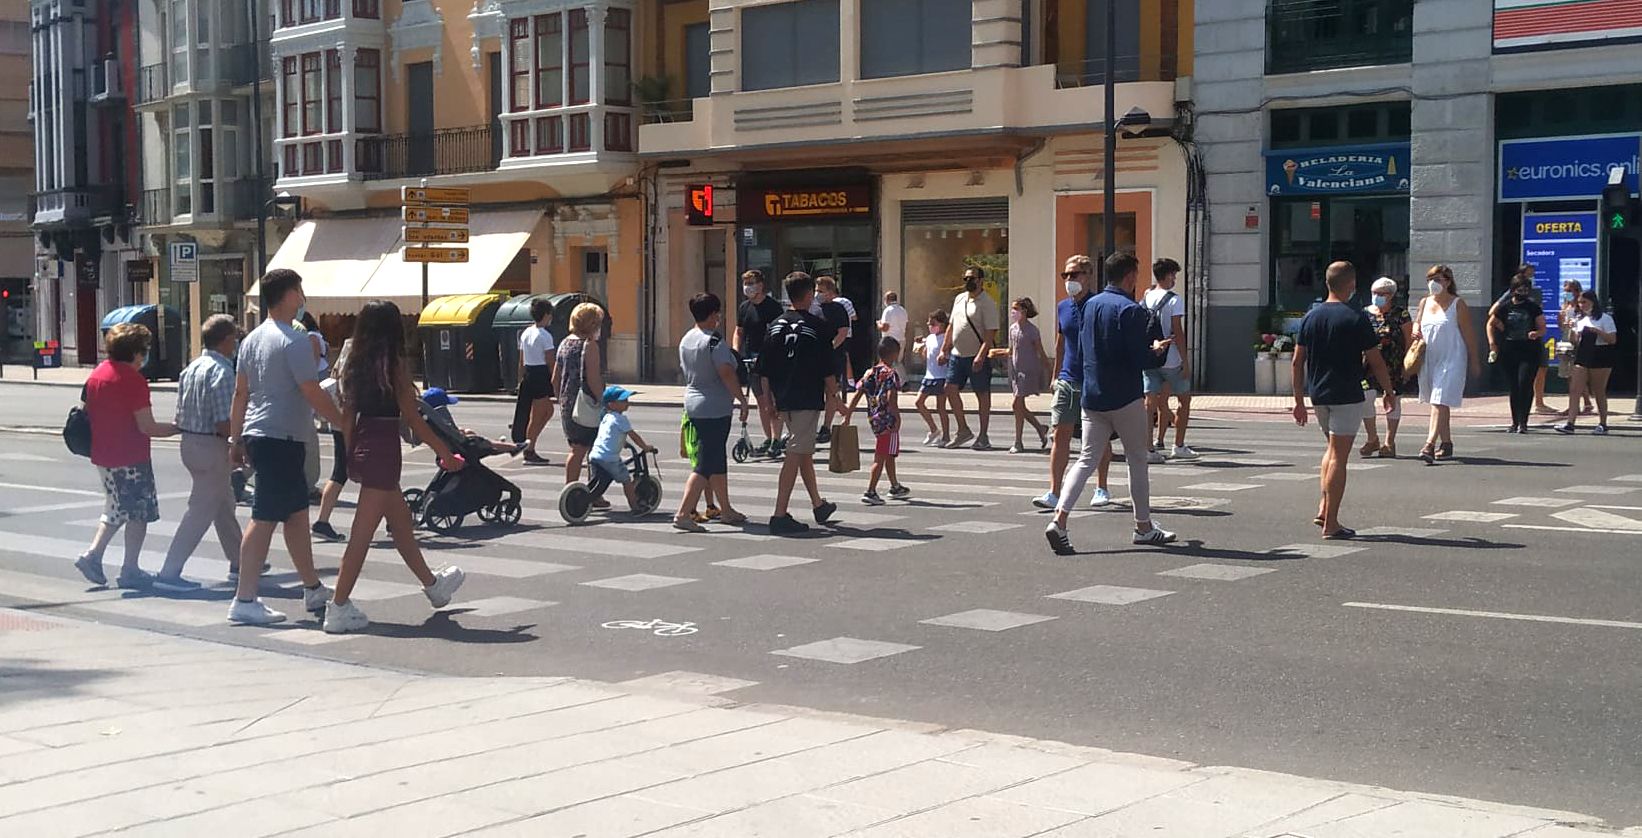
x=1620 y=211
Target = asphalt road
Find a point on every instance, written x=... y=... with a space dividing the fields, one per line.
x=1252 y=642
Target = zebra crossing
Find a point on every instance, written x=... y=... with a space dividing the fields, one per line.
x=960 y=498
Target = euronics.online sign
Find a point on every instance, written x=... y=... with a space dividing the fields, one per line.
x=1565 y=167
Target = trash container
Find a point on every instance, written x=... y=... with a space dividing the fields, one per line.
x=563 y=304
x=165 y=354
x=514 y=317
x=459 y=343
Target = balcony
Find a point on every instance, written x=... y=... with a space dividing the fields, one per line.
x=446 y=151
x=153 y=84
x=75 y=207
x=154 y=210
x=1307 y=35
x=997 y=100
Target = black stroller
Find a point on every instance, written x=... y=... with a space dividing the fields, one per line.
x=453 y=495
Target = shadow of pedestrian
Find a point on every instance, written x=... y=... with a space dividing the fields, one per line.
x=1471 y=543
x=440 y=626
x=1495 y=461
x=30 y=681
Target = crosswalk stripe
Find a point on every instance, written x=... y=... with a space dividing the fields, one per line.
x=78 y=593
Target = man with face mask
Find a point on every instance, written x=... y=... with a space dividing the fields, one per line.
x=968 y=348
x=752 y=320
x=1064 y=412
x=205 y=401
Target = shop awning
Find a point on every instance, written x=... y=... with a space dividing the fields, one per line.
x=345 y=262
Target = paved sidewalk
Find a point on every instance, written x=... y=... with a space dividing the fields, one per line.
x=105 y=729
x=1493 y=409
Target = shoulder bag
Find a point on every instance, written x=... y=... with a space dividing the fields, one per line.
x=586 y=411
x=77 y=428
x=1415 y=356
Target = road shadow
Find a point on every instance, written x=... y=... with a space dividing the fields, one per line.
x=440 y=626
x=1433 y=541
x=1196 y=549
x=23 y=681
x=1496 y=461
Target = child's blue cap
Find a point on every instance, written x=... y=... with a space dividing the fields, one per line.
x=437 y=397
x=615 y=393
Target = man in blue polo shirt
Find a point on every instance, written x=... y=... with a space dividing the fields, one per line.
x=1078 y=277
x=1117 y=347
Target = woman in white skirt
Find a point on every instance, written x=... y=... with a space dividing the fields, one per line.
x=1443 y=324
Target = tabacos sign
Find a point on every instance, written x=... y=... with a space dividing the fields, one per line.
x=1565 y=167
x=789 y=204
x=1337 y=171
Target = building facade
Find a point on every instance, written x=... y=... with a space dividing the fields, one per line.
x=85 y=178
x=202 y=86
x=528 y=104
x=1399 y=135
x=893 y=144
x=17 y=318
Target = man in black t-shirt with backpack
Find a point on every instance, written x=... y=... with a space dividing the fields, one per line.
x=798 y=375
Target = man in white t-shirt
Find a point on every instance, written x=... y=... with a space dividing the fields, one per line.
x=534 y=406
x=892 y=323
x=1175 y=376
x=972 y=333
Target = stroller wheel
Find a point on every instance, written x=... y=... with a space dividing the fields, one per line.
x=414 y=499
x=444 y=523
x=742 y=450
x=575 y=502
x=508 y=512
x=648 y=494
x=487 y=514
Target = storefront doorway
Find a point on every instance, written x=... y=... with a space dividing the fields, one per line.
x=1370 y=233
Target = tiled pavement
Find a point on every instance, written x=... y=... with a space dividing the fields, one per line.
x=107 y=730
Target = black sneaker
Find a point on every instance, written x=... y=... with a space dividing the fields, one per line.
x=825 y=511
x=899 y=491
x=872 y=499
x=534 y=458
x=787 y=525
x=762 y=449
x=823 y=436
x=324 y=530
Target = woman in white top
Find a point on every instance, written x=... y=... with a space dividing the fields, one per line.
x=1596 y=342
x=1444 y=325
x=534 y=406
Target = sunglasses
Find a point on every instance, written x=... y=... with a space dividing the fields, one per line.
x=1070 y=274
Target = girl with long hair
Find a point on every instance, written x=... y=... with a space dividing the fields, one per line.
x=1444 y=325
x=378 y=394
x=1027 y=364
x=1595 y=339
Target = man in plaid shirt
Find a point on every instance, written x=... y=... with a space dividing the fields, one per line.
x=205 y=398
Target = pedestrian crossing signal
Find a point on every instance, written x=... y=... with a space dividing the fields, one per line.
x=698 y=205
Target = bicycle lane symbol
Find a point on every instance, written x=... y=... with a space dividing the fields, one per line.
x=659 y=628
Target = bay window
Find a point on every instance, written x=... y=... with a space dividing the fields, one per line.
x=549 y=61
x=518 y=31
x=367 y=91
x=580 y=81
x=291 y=96
x=618 y=87
x=578 y=61
x=333 y=91
x=311 y=94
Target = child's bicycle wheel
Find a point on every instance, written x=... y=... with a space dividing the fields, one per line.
x=575 y=502
x=648 y=494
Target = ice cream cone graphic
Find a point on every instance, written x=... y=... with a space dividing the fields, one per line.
x=1391 y=165
x=1289 y=168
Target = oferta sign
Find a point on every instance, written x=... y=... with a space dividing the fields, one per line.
x=1565 y=167
x=803 y=204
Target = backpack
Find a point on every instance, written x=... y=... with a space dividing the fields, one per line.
x=1154 y=317
x=77 y=428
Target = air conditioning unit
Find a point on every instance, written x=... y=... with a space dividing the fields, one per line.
x=106 y=85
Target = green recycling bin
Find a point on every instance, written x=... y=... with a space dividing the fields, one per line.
x=459 y=343
x=514 y=317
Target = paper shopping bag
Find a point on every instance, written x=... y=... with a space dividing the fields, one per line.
x=845 y=453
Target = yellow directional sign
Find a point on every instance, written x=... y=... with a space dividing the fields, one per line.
x=436 y=254
x=433 y=194
x=447 y=215
x=436 y=235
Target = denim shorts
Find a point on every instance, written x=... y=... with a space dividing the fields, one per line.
x=1172 y=377
x=963 y=373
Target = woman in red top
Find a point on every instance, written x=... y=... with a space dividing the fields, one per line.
x=122 y=420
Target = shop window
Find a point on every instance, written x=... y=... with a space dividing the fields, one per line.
x=939 y=239
x=789 y=44
x=1305 y=35
x=1369 y=232
x=909 y=37
x=1594 y=110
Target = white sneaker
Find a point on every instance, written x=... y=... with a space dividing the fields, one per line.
x=343 y=618
x=1154 y=457
x=315 y=599
x=444 y=586
x=1047 y=500
x=1101 y=498
x=253 y=613
x=1183 y=452
x=1155 y=535
x=931 y=439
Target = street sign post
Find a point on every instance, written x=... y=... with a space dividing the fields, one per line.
x=441 y=196
x=425 y=205
x=436 y=235
x=436 y=215
x=185 y=266
x=444 y=255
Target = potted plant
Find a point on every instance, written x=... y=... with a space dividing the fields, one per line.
x=1265 y=364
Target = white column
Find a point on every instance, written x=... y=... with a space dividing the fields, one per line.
x=346 y=54
x=595 y=75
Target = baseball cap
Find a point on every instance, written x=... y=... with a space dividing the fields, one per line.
x=437 y=397
x=615 y=393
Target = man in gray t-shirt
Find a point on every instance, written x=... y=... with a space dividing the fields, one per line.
x=276 y=359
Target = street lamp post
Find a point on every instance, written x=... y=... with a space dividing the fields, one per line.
x=1110 y=125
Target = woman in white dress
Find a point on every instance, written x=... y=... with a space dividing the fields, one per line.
x=1444 y=325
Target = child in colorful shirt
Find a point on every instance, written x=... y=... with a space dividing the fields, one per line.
x=881 y=386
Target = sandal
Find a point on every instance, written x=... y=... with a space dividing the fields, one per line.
x=1388 y=452
x=1370 y=448
x=1340 y=534
x=1445 y=451
x=1429 y=454
x=1317 y=520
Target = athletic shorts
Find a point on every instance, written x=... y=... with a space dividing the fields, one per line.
x=887 y=445
x=711 y=437
x=801 y=427
x=282 y=483
x=129 y=494
x=1340 y=419
x=963 y=373
x=1172 y=377
x=932 y=386
x=1065 y=409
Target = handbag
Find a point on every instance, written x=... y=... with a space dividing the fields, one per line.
x=586 y=411
x=1413 y=358
x=844 y=455
x=77 y=428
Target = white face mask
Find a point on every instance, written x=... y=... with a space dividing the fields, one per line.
x=1073 y=288
x=749 y=289
x=1434 y=287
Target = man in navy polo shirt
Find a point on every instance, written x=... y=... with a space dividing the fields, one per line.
x=1117 y=347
